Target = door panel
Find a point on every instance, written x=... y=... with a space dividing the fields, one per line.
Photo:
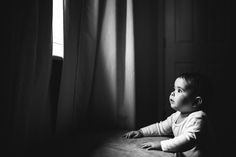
x=195 y=40
x=199 y=36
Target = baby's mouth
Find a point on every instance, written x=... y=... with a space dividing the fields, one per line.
x=172 y=101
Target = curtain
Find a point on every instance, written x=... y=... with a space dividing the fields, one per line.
x=27 y=65
x=98 y=84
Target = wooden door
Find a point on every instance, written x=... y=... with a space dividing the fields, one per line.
x=195 y=39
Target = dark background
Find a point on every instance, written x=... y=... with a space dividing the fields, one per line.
x=210 y=42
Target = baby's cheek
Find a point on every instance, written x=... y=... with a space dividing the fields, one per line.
x=185 y=99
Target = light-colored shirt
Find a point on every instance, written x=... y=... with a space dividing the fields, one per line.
x=188 y=134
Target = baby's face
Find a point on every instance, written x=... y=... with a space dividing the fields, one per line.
x=181 y=99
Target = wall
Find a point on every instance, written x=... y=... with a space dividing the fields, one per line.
x=148 y=27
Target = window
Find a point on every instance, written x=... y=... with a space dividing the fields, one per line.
x=57 y=29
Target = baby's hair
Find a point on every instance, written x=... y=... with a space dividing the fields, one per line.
x=198 y=83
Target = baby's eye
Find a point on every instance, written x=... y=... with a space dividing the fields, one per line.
x=179 y=91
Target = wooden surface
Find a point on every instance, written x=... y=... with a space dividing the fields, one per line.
x=116 y=146
x=94 y=144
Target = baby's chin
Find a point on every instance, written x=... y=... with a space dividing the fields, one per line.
x=173 y=106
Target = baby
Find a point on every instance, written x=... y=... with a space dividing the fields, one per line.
x=187 y=124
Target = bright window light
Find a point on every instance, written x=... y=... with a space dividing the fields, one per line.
x=57 y=29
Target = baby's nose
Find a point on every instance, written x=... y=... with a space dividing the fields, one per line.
x=172 y=93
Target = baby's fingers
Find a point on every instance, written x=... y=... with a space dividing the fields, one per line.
x=127 y=135
x=124 y=135
x=145 y=146
x=135 y=136
x=150 y=148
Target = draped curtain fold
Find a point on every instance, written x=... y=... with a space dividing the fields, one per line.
x=97 y=86
x=27 y=68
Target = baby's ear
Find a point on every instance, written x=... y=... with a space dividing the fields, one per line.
x=197 y=101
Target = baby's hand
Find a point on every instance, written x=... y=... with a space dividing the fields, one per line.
x=133 y=134
x=151 y=145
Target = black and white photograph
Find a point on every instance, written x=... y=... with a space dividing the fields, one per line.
x=118 y=78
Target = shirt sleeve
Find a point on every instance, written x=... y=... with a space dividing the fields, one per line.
x=159 y=129
x=186 y=140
